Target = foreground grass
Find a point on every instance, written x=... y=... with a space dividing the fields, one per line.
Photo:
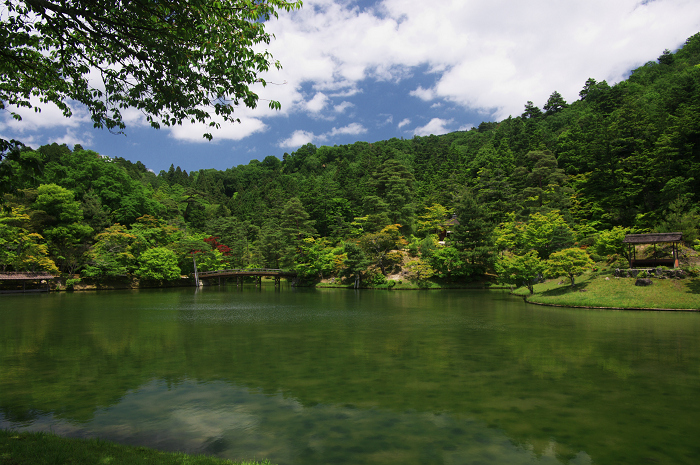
x=596 y=291
x=44 y=448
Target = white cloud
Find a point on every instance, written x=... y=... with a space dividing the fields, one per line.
x=351 y=129
x=49 y=116
x=347 y=92
x=317 y=103
x=71 y=138
x=436 y=126
x=193 y=132
x=301 y=137
x=423 y=94
x=297 y=139
x=343 y=106
x=487 y=56
x=404 y=122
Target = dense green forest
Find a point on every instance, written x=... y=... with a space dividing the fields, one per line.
x=562 y=182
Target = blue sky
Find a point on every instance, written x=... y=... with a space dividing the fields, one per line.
x=373 y=70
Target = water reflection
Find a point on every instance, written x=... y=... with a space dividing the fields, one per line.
x=357 y=377
x=228 y=421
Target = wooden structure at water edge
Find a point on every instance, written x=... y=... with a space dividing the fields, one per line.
x=633 y=240
x=39 y=282
x=244 y=272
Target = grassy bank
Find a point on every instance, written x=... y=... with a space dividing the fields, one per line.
x=593 y=290
x=44 y=448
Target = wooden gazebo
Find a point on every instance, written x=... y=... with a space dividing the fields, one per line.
x=25 y=278
x=633 y=240
x=447 y=227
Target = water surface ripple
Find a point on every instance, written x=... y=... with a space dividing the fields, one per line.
x=338 y=376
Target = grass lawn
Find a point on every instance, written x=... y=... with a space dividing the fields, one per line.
x=593 y=290
x=44 y=448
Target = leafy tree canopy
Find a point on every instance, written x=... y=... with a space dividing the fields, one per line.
x=520 y=269
x=172 y=60
x=570 y=262
x=158 y=263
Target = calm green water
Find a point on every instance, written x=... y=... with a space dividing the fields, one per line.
x=337 y=376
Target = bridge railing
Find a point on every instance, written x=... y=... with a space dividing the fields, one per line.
x=247 y=270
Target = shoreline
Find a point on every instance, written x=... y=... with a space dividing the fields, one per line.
x=559 y=294
x=590 y=307
x=605 y=292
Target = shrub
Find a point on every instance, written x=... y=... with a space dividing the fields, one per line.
x=419 y=269
x=374 y=277
x=618 y=261
x=394 y=259
x=610 y=242
x=157 y=264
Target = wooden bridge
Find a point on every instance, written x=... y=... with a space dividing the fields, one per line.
x=278 y=274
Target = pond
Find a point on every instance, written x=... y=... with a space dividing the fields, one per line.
x=357 y=377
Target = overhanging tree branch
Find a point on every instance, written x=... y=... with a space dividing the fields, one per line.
x=174 y=61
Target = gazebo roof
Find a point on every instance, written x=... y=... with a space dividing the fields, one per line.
x=452 y=221
x=25 y=276
x=653 y=238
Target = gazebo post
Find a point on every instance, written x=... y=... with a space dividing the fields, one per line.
x=675 y=255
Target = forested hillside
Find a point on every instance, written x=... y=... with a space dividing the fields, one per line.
x=621 y=158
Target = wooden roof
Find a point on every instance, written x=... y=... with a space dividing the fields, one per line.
x=452 y=221
x=25 y=276
x=653 y=238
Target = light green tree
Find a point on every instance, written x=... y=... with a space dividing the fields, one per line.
x=377 y=245
x=547 y=233
x=111 y=255
x=158 y=264
x=570 y=262
x=420 y=269
x=21 y=250
x=609 y=242
x=520 y=269
x=316 y=259
x=448 y=262
x=433 y=220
